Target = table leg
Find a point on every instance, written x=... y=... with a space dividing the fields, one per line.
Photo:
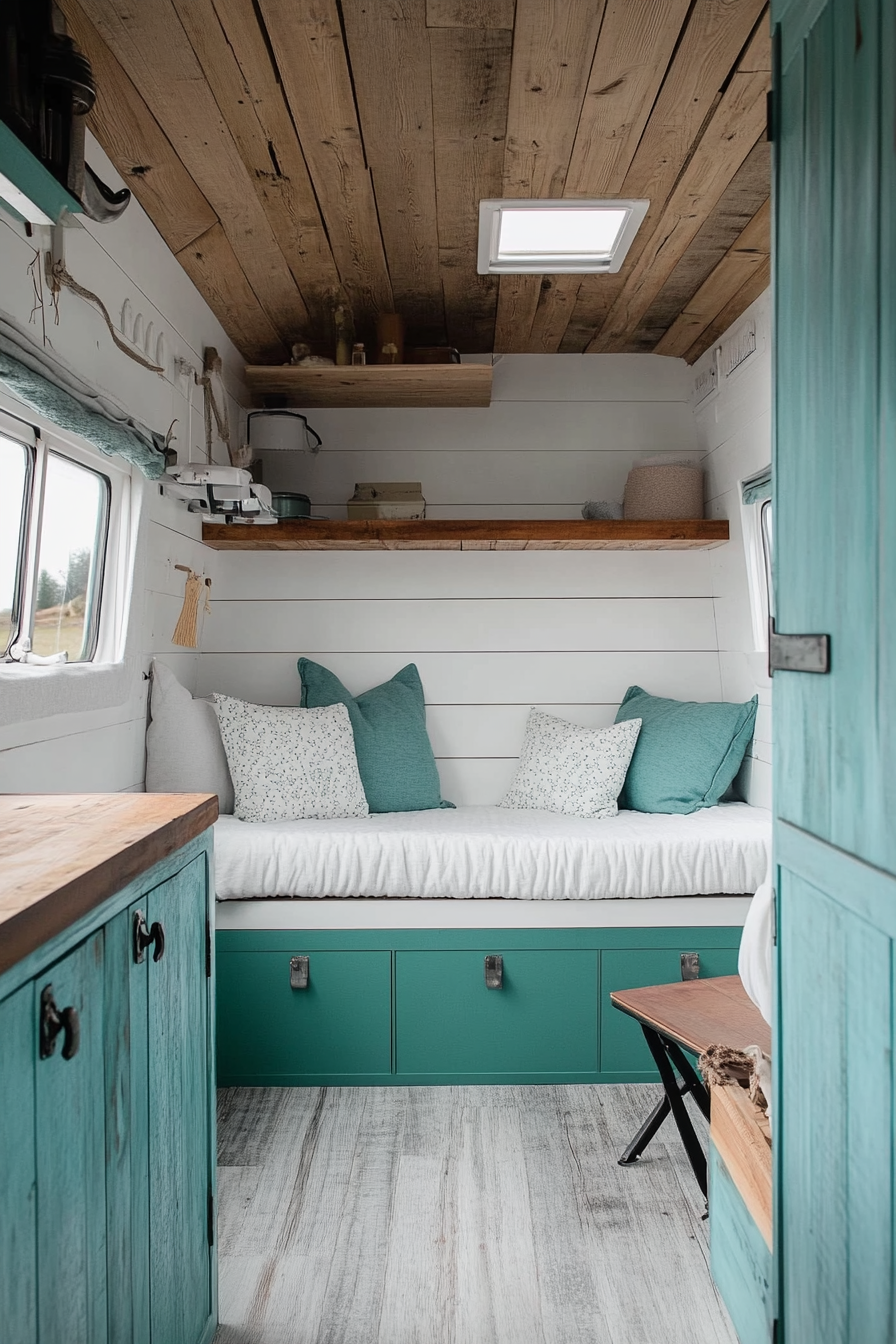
x=675 y=1095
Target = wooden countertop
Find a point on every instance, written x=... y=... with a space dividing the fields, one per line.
x=63 y=854
x=699 y=1013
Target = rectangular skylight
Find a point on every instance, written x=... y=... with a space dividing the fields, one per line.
x=552 y=237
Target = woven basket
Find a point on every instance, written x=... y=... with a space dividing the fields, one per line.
x=664 y=491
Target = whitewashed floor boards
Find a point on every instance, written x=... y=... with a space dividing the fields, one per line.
x=457 y=1215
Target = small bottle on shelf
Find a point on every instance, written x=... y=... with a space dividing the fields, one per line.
x=358 y=355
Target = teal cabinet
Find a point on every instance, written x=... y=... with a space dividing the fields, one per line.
x=450 y=1025
x=337 y=1028
x=740 y=1261
x=624 y=1056
x=18 y=1167
x=107 y=1139
x=69 y=1147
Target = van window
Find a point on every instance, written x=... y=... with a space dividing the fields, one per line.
x=768 y=552
x=52 y=553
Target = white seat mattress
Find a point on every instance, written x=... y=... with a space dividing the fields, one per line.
x=488 y=852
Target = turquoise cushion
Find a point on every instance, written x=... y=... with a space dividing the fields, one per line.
x=687 y=753
x=398 y=769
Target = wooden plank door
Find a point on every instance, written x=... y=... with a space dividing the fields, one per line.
x=71 y=1196
x=18 y=1168
x=835 y=787
x=180 y=1122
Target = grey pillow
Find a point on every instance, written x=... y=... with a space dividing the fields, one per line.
x=184 y=751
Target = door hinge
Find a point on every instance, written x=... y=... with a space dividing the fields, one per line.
x=774 y=917
x=211 y=1218
x=208 y=949
x=797 y=653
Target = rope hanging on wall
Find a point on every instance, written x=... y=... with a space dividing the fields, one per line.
x=57 y=276
x=186 y=632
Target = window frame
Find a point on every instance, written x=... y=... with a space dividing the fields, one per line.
x=758 y=557
x=45 y=444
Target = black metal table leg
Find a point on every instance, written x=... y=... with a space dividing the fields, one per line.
x=693 y=1082
x=696 y=1156
x=645 y=1133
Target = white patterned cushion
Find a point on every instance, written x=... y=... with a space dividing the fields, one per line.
x=289 y=763
x=578 y=771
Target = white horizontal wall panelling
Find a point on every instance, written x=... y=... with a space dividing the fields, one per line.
x=735 y=433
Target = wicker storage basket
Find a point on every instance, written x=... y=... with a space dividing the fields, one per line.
x=672 y=490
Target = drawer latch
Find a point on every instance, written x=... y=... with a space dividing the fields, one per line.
x=690 y=965
x=494 y=972
x=298 y=972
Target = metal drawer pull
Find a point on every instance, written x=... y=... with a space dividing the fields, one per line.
x=494 y=972
x=690 y=965
x=53 y=1021
x=298 y=972
x=148 y=937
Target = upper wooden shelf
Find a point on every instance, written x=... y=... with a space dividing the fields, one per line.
x=374 y=384
x=311 y=534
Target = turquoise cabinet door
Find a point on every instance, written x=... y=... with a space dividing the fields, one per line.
x=180 y=1126
x=126 y=1048
x=739 y=1258
x=338 y=1027
x=623 y=1050
x=18 y=1168
x=835 y=735
x=542 y=1020
x=71 y=1200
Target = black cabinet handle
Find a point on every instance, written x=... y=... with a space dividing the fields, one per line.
x=145 y=937
x=53 y=1021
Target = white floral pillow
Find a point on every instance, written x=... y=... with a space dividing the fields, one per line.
x=564 y=768
x=289 y=763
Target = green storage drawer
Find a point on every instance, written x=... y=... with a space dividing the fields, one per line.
x=624 y=1055
x=449 y=1025
x=338 y=1029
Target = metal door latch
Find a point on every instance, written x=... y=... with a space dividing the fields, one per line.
x=798 y=653
x=494 y=972
x=690 y=965
x=298 y=972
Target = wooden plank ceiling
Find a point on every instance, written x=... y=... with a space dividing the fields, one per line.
x=296 y=154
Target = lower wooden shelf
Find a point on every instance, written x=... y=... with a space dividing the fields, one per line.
x=312 y=534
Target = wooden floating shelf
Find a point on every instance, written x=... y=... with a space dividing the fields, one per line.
x=311 y=534
x=374 y=385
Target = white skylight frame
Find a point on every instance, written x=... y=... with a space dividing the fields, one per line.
x=559 y=262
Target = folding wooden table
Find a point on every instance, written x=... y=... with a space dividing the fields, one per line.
x=688 y=1016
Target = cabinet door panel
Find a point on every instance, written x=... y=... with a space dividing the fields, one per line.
x=127 y=1155
x=18 y=1216
x=71 y=1218
x=542 y=1020
x=180 y=1126
x=339 y=1025
x=623 y=1049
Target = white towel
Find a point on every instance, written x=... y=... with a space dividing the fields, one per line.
x=755 y=960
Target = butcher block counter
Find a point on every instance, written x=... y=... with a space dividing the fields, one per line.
x=61 y=855
x=107 y=1127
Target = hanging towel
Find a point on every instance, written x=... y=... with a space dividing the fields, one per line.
x=755 y=959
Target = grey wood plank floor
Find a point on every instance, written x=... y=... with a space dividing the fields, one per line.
x=457 y=1215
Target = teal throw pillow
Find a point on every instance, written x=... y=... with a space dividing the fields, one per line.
x=395 y=760
x=687 y=753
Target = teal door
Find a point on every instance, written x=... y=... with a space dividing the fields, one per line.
x=835 y=786
x=179 y=1121
x=18 y=1168
x=71 y=1202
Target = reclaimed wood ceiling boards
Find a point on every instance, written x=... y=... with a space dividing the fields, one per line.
x=293 y=153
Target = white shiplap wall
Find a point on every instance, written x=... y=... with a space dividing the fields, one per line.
x=492 y=633
x=101 y=748
x=734 y=427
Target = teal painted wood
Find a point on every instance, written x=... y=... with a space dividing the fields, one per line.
x=740 y=1260
x=18 y=1169
x=180 y=1158
x=126 y=1046
x=542 y=1021
x=623 y=1049
x=31 y=177
x=338 y=1027
x=835 y=506
x=71 y=1194
x=281 y=940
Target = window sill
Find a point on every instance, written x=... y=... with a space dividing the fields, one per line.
x=30 y=691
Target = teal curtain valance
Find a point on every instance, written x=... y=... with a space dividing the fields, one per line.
x=758 y=487
x=47 y=384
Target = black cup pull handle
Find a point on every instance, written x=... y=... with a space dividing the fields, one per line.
x=53 y=1021
x=157 y=936
x=142 y=936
